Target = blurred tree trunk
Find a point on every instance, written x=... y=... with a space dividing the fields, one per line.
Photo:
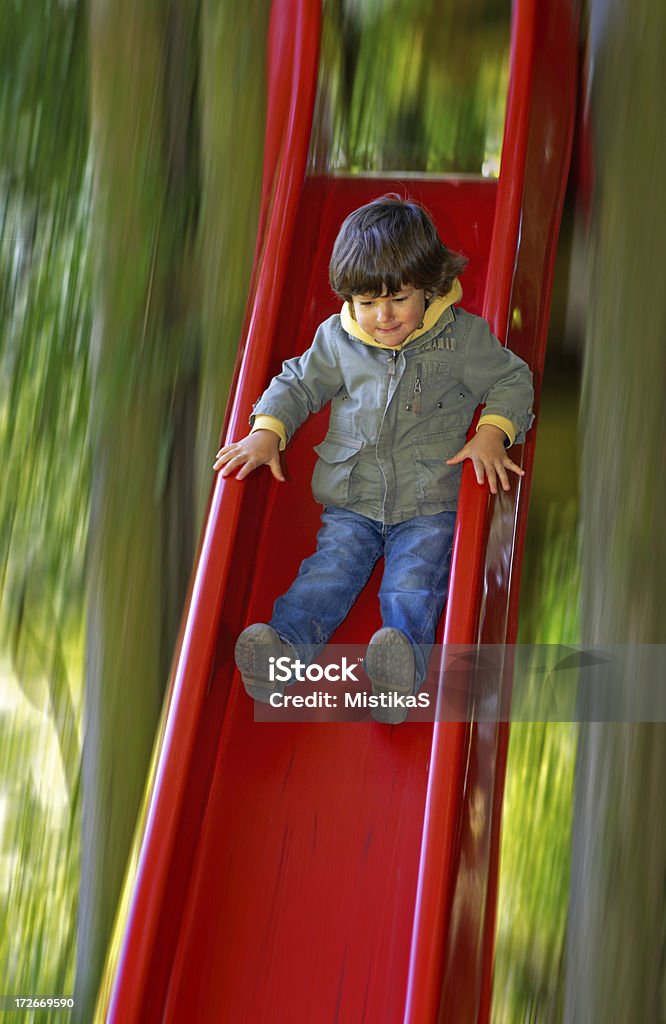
x=233 y=56
x=615 y=956
x=143 y=104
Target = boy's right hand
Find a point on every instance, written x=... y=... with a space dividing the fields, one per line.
x=260 y=448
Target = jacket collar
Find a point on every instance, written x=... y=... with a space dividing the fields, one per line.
x=438 y=313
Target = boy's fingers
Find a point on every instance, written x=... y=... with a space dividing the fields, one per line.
x=246 y=464
x=228 y=468
x=276 y=470
x=480 y=471
x=233 y=461
x=487 y=470
x=223 y=456
x=458 y=457
x=504 y=480
x=221 y=460
x=246 y=469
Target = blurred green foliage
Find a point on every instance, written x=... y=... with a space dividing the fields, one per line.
x=412 y=85
x=45 y=322
x=537 y=814
x=39 y=851
x=43 y=99
x=45 y=319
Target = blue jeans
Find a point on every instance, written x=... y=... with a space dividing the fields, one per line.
x=417 y=556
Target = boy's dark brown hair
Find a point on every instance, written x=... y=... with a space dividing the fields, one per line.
x=387 y=244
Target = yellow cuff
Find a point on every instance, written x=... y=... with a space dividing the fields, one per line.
x=271 y=423
x=502 y=422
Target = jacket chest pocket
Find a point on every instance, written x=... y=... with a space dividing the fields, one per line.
x=436 y=373
x=431 y=380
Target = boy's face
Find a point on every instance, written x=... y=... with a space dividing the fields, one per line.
x=390 y=319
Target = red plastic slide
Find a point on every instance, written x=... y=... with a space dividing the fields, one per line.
x=344 y=871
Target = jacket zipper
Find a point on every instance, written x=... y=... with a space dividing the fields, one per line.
x=418 y=389
x=392 y=360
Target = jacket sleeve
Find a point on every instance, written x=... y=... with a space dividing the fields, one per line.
x=498 y=378
x=306 y=383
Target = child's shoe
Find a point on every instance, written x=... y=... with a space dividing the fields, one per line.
x=254 y=647
x=389 y=662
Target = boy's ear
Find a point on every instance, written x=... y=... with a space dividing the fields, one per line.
x=351 y=309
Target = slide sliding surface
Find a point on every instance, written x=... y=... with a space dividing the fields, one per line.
x=343 y=871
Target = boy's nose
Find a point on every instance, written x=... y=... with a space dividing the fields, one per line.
x=385 y=313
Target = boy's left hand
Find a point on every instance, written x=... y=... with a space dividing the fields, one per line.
x=487 y=452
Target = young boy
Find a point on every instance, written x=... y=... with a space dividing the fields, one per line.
x=404 y=370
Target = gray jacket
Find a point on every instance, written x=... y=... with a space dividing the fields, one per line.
x=397 y=416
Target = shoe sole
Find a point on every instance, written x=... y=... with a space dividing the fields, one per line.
x=389 y=663
x=257 y=684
